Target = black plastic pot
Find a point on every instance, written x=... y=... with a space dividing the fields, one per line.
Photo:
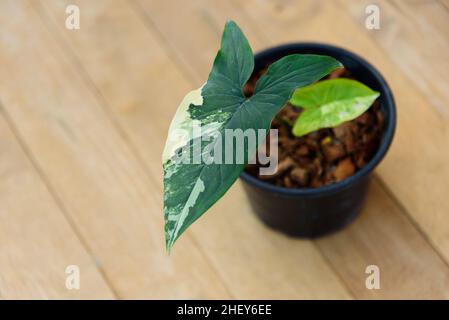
x=319 y=211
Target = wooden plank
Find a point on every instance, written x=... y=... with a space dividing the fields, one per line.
x=428 y=17
x=202 y=24
x=415 y=34
x=314 y=21
x=91 y=167
x=36 y=241
x=423 y=164
x=383 y=236
x=445 y=4
x=263 y=264
x=253 y=263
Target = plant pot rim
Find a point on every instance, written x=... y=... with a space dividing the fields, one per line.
x=387 y=103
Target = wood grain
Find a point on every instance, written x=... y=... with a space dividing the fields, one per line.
x=280 y=14
x=383 y=236
x=312 y=278
x=91 y=168
x=82 y=126
x=36 y=241
x=416 y=38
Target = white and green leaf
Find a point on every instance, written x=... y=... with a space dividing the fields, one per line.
x=329 y=103
x=191 y=189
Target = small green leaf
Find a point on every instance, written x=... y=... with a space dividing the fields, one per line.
x=192 y=188
x=329 y=103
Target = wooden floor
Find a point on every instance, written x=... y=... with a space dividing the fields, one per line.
x=83 y=119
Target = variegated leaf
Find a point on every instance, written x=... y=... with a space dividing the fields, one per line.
x=329 y=103
x=190 y=189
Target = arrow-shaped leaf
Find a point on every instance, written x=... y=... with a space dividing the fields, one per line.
x=329 y=103
x=190 y=189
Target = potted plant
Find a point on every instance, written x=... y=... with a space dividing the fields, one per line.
x=325 y=126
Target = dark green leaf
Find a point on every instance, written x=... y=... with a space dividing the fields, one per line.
x=190 y=189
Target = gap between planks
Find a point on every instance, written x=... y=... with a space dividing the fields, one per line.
x=387 y=189
x=170 y=51
x=59 y=205
x=102 y=101
x=58 y=39
x=194 y=77
x=54 y=196
x=92 y=98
